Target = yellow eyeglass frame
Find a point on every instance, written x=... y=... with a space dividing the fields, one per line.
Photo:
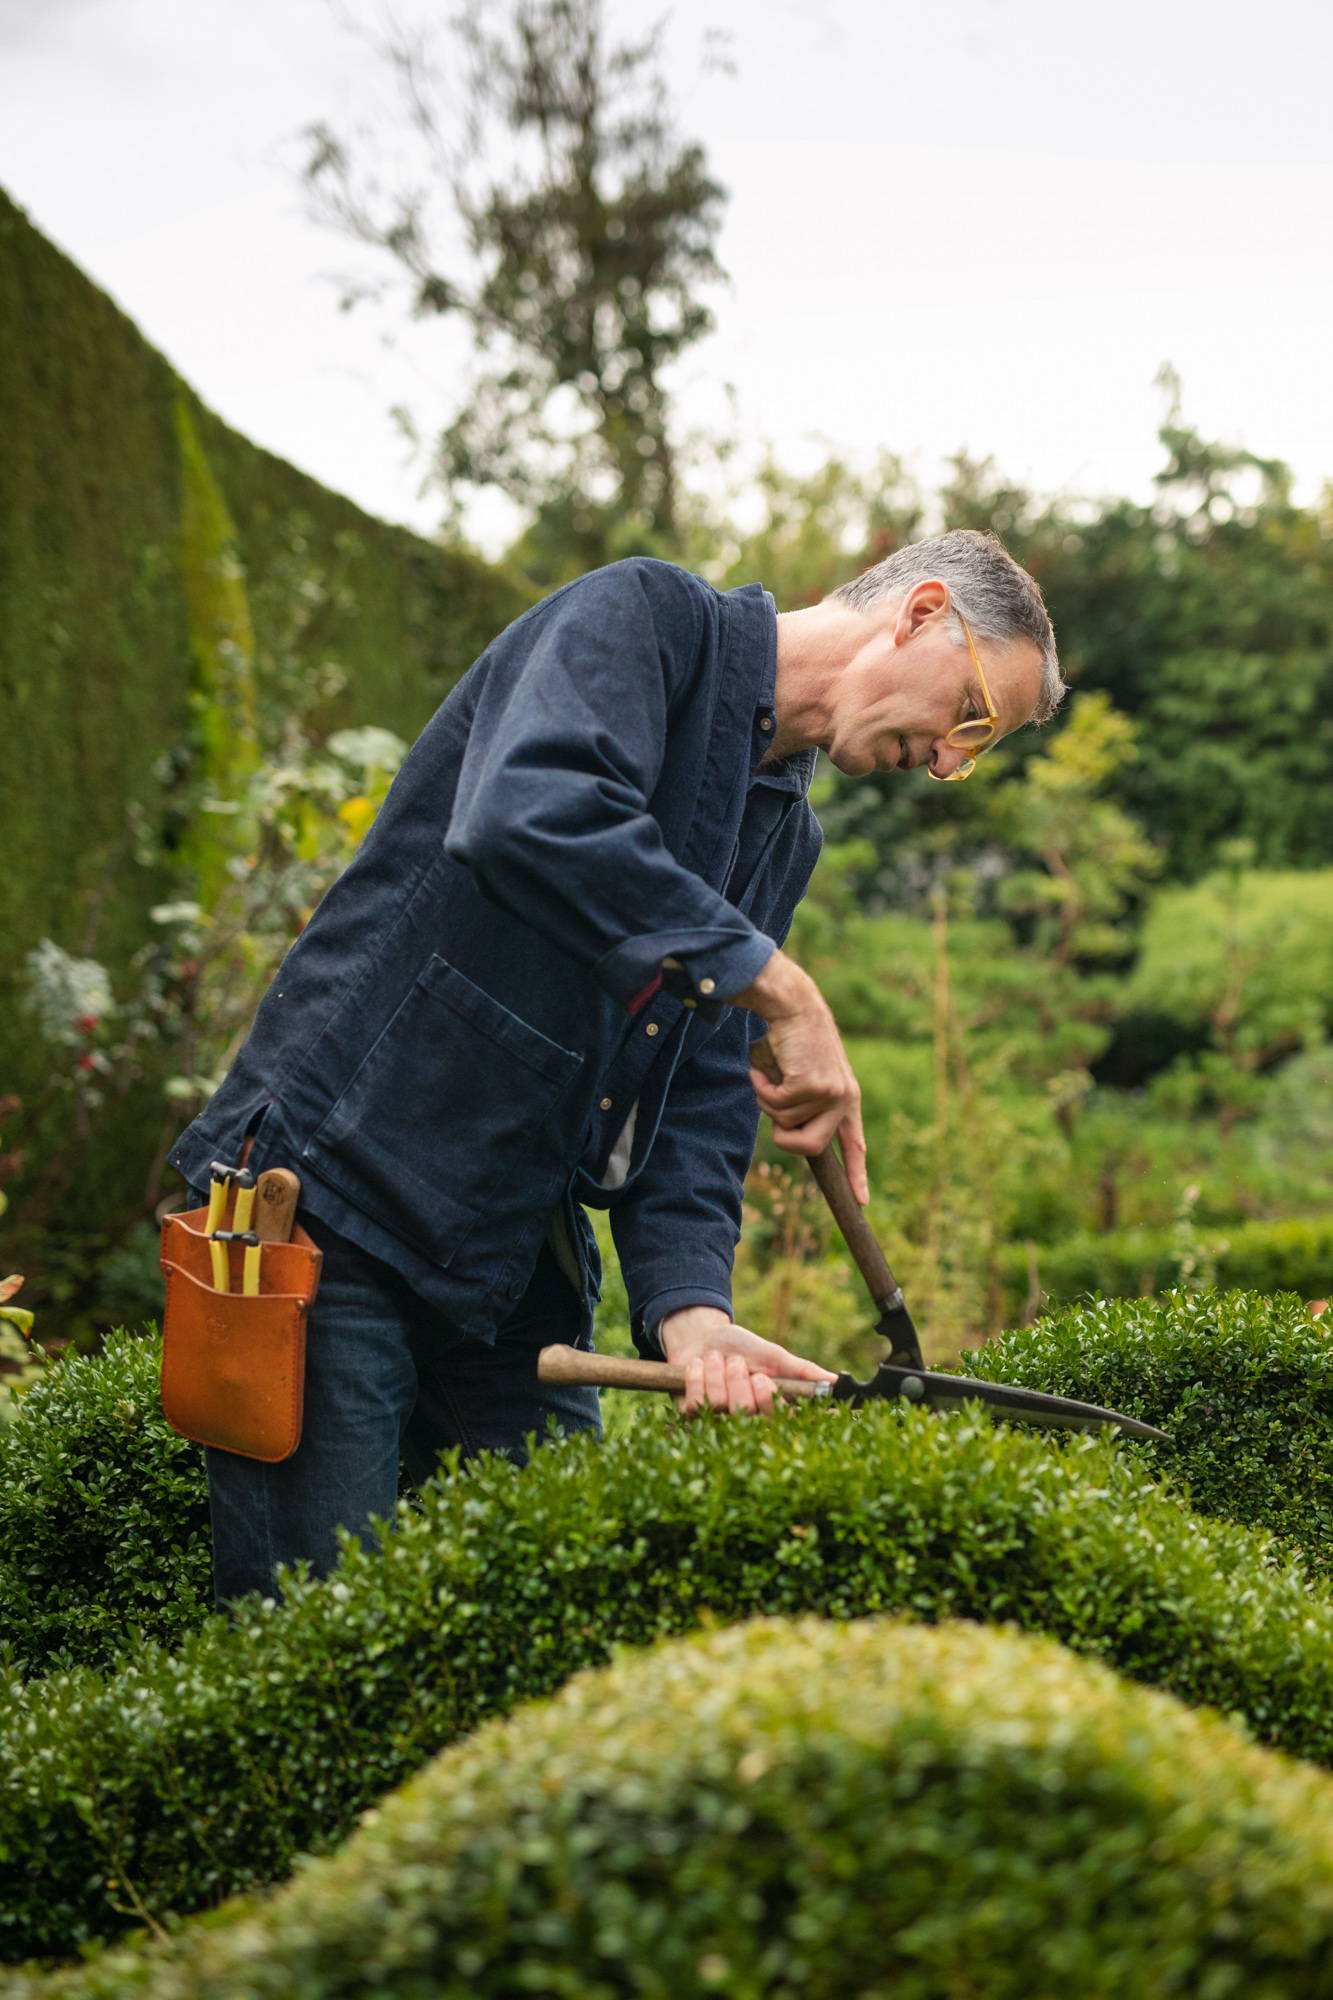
x=964 y=735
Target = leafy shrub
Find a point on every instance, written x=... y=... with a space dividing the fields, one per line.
x=1295 y=1124
x=1098 y=1839
x=1247 y=954
x=1291 y=1256
x=191 y=1775
x=1243 y=1385
x=168 y=540
x=882 y=977
x=103 y=1515
x=21 y=1359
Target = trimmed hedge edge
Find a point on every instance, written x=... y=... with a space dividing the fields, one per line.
x=1243 y=1385
x=189 y=1776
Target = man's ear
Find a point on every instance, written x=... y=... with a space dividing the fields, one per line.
x=923 y=601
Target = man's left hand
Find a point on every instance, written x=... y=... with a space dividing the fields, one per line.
x=726 y=1366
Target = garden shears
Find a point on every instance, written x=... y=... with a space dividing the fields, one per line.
x=902 y=1376
x=276 y=1191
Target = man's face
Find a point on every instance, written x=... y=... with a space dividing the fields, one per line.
x=910 y=682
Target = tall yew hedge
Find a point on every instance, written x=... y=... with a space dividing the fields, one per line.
x=136 y=529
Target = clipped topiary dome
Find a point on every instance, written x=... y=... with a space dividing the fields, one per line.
x=782 y=1809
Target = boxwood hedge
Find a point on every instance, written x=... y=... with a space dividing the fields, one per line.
x=103 y=1516
x=103 y=1530
x=805 y=1809
x=190 y=1775
x=1243 y=1385
x=1293 y=1254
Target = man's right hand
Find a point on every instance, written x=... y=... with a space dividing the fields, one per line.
x=818 y=1097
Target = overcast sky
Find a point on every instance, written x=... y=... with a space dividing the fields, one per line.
x=978 y=223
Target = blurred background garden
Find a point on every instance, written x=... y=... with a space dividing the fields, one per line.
x=331 y=337
x=1089 y=995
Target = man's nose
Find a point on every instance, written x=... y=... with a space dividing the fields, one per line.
x=945 y=757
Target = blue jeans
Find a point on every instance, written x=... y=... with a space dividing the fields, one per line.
x=389 y=1380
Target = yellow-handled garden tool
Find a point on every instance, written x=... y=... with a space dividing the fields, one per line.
x=264 y=1212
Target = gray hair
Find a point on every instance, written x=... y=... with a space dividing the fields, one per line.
x=998 y=599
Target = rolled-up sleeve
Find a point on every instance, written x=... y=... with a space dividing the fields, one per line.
x=552 y=813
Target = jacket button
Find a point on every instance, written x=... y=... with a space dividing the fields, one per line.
x=707 y=985
x=606 y=1104
x=651 y=1029
x=765 y=723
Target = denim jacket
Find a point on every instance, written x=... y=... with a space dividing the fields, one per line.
x=449 y=1051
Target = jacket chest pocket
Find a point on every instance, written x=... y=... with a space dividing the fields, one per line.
x=452 y=1097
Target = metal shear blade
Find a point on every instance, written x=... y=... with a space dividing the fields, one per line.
x=954 y=1392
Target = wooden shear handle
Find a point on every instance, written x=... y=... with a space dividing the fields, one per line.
x=836 y=1189
x=276 y=1194
x=619 y=1371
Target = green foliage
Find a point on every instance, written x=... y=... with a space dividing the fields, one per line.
x=814 y=531
x=1094 y=858
x=1204 y=616
x=21 y=1360
x=1243 y=1385
x=589 y=226
x=1238 y=697
x=988 y=1130
x=870 y=1808
x=1293 y=1255
x=1245 y=954
x=890 y=978
x=222 y=646
x=954 y=1026
x=103 y=1515
x=170 y=592
x=189 y=1775
x=94 y=661
x=1128 y=1159
x=1294 y=1127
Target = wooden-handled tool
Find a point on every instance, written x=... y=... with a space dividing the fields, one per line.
x=615 y=1371
x=903 y=1376
x=894 y=1322
x=276 y=1196
x=264 y=1212
x=904 y=1373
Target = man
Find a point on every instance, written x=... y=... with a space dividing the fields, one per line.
x=536 y=986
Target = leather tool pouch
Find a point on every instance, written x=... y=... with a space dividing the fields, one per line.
x=233 y=1368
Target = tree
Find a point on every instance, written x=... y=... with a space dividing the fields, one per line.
x=1245 y=953
x=588 y=229
x=805 y=534
x=1205 y=616
x=1094 y=860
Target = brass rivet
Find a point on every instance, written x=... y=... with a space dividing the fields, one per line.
x=707 y=985
x=651 y=1029
x=606 y=1104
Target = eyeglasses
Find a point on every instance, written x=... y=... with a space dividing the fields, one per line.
x=978 y=730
